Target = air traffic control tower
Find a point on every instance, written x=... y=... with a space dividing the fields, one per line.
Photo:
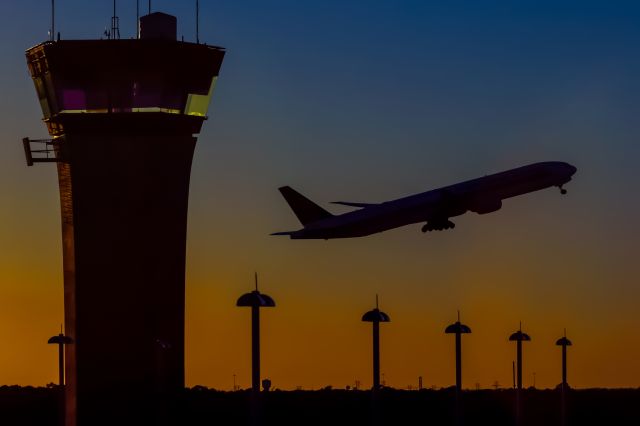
x=123 y=115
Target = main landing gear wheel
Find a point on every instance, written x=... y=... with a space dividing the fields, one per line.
x=562 y=190
x=438 y=226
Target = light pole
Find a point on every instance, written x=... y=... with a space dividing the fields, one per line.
x=255 y=300
x=519 y=337
x=60 y=340
x=458 y=329
x=376 y=316
x=564 y=342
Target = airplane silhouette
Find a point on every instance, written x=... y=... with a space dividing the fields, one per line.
x=482 y=195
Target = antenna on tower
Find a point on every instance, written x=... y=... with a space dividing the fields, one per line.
x=376 y=301
x=149 y=7
x=198 y=21
x=137 y=19
x=256 y=278
x=115 y=24
x=53 y=21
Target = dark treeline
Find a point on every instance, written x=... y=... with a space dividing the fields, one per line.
x=27 y=406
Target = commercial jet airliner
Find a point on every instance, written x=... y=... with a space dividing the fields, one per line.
x=436 y=207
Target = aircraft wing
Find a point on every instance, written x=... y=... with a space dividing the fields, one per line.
x=350 y=204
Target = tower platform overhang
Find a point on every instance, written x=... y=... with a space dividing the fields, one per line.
x=138 y=77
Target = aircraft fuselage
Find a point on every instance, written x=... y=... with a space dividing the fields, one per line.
x=481 y=195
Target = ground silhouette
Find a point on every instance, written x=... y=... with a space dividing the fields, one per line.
x=30 y=406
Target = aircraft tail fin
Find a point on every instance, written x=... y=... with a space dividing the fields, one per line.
x=305 y=210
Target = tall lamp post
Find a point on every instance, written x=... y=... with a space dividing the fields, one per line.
x=458 y=329
x=255 y=300
x=519 y=337
x=60 y=340
x=376 y=316
x=564 y=342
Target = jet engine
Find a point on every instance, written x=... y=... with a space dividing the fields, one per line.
x=487 y=206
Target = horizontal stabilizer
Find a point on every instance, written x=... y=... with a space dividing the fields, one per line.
x=283 y=233
x=305 y=210
x=350 y=204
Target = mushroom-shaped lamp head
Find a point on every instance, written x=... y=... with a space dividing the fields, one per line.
x=563 y=342
x=519 y=335
x=376 y=315
x=457 y=328
x=257 y=299
x=60 y=339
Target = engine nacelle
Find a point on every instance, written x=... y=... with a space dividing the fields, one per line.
x=487 y=206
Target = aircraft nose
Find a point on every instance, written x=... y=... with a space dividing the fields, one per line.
x=571 y=169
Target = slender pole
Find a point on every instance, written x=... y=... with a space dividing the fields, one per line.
x=519 y=362
x=198 y=21
x=53 y=20
x=137 y=19
x=563 y=389
x=61 y=363
x=375 y=390
x=255 y=347
x=376 y=355
x=61 y=393
x=149 y=7
x=458 y=416
x=519 y=379
x=564 y=366
x=113 y=21
x=458 y=362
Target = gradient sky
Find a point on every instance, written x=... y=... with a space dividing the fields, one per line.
x=369 y=101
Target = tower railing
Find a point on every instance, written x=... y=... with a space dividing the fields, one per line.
x=41 y=151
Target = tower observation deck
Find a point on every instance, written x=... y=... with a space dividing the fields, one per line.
x=122 y=115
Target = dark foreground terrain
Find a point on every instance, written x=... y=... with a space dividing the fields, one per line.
x=27 y=406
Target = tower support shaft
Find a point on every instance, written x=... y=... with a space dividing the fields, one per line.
x=124 y=216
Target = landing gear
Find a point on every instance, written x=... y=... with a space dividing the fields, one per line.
x=562 y=190
x=438 y=225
